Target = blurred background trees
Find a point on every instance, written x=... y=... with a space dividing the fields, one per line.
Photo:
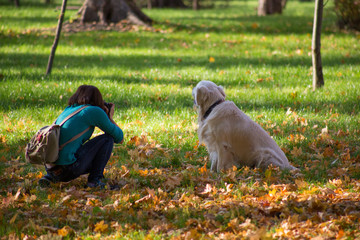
x=348 y=12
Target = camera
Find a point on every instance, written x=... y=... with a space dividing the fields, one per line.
x=108 y=106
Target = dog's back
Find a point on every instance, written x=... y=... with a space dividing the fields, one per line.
x=230 y=128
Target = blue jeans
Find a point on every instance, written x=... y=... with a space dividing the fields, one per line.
x=91 y=158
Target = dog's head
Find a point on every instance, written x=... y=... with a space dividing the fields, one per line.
x=207 y=93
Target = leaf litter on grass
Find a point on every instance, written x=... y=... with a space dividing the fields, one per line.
x=169 y=193
x=188 y=201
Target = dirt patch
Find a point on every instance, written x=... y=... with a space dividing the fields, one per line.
x=122 y=26
x=76 y=26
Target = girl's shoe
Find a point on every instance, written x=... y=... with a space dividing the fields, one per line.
x=46 y=181
x=99 y=184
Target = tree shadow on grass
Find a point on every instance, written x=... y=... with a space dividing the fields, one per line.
x=138 y=62
x=28 y=3
x=168 y=102
x=272 y=25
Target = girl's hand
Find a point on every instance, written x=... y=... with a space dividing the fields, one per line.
x=111 y=110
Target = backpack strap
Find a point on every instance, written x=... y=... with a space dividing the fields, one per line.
x=71 y=115
x=73 y=138
x=76 y=136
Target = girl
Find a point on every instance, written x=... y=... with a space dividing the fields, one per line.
x=84 y=156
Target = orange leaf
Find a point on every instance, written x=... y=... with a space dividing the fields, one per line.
x=296 y=151
x=173 y=181
x=188 y=155
x=328 y=152
x=254 y=26
x=340 y=234
x=203 y=169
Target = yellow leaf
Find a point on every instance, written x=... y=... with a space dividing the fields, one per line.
x=143 y=172
x=268 y=173
x=66 y=230
x=298 y=210
x=272 y=193
x=293 y=94
x=211 y=59
x=101 y=226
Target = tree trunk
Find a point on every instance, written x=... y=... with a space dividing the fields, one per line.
x=17 y=3
x=57 y=37
x=196 y=4
x=318 y=78
x=268 y=7
x=168 y=3
x=112 y=11
x=149 y=4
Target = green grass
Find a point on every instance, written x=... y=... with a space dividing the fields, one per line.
x=264 y=64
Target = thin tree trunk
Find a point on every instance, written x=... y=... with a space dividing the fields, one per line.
x=196 y=4
x=57 y=37
x=17 y=3
x=268 y=7
x=318 y=78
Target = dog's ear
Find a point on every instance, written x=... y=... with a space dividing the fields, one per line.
x=221 y=89
x=201 y=95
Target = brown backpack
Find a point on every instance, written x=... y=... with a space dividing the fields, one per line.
x=44 y=145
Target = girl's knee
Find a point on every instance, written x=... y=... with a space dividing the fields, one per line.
x=109 y=138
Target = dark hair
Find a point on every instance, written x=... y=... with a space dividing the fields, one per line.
x=87 y=94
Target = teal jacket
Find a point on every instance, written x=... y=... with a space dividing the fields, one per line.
x=92 y=117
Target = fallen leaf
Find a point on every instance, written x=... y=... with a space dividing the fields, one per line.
x=254 y=26
x=296 y=151
x=101 y=227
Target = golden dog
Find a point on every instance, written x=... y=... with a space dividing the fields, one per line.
x=230 y=136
